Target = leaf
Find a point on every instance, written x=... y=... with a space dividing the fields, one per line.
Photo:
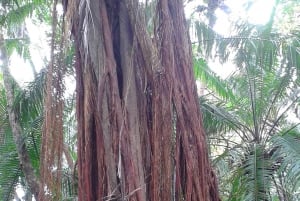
x=288 y=154
x=213 y=82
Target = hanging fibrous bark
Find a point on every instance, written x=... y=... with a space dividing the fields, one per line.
x=52 y=136
x=140 y=133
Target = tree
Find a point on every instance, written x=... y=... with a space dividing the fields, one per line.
x=27 y=106
x=22 y=152
x=22 y=111
x=18 y=113
x=140 y=132
x=251 y=164
x=248 y=115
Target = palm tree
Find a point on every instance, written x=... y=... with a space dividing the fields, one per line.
x=252 y=110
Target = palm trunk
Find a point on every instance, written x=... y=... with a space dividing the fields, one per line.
x=19 y=140
x=140 y=133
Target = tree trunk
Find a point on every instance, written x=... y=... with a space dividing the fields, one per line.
x=23 y=155
x=51 y=161
x=140 y=133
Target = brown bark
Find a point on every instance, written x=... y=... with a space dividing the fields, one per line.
x=52 y=135
x=140 y=133
x=18 y=137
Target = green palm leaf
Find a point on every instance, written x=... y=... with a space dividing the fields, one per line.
x=9 y=167
x=288 y=154
x=213 y=82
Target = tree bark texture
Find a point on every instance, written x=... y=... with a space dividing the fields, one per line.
x=51 y=162
x=140 y=133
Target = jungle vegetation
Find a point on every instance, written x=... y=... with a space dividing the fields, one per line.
x=137 y=127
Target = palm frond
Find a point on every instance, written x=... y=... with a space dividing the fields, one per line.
x=288 y=156
x=255 y=175
x=17 y=15
x=28 y=106
x=9 y=167
x=206 y=39
x=29 y=101
x=213 y=82
x=217 y=119
x=20 y=46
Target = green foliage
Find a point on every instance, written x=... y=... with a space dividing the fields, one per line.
x=17 y=15
x=214 y=82
x=28 y=105
x=255 y=175
x=9 y=167
x=288 y=153
x=20 y=46
x=9 y=163
x=254 y=145
x=255 y=148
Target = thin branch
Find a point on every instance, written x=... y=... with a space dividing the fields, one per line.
x=271 y=105
x=282 y=114
x=253 y=105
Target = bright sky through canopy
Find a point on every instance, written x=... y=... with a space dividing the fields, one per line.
x=39 y=50
x=255 y=12
x=258 y=13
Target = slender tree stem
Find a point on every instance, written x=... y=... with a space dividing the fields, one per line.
x=23 y=154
